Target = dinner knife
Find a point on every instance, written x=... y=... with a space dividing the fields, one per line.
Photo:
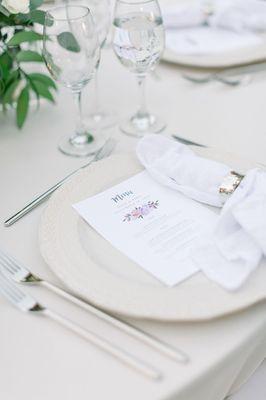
x=103 y=152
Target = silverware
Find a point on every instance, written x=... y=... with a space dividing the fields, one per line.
x=19 y=273
x=103 y=152
x=230 y=81
x=26 y=303
x=188 y=142
x=229 y=76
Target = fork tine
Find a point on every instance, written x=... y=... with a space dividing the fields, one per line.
x=6 y=266
x=16 y=296
x=6 y=263
x=11 y=291
x=7 y=282
x=9 y=261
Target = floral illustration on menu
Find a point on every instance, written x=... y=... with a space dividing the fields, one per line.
x=141 y=211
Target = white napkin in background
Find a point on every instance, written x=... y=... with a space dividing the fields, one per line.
x=183 y=16
x=239 y=240
x=232 y=26
x=236 y=15
x=203 y=40
x=239 y=15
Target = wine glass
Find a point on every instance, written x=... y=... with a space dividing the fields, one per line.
x=138 y=42
x=71 y=52
x=98 y=117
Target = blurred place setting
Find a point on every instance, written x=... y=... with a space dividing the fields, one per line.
x=133 y=199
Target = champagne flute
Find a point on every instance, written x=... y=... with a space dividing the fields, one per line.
x=138 y=42
x=71 y=52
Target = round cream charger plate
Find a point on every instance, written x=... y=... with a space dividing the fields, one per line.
x=225 y=59
x=230 y=59
x=93 y=269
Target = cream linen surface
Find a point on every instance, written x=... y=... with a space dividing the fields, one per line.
x=40 y=360
x=239 y=239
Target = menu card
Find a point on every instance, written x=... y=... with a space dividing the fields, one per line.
x=153 y=225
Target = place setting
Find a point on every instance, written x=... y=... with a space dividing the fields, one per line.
x=169 y=232
x=224 y=38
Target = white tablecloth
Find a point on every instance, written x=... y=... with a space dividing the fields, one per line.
x=40 y=360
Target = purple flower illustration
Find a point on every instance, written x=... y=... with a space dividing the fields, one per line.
x=141 y=212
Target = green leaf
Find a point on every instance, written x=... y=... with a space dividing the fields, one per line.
x=68 y=41
x=29 y=56
x=23 y=106
x=4 y=11
x=13 y=76
x=24 y=36
x=43 y=91
x=37 y=16
x=35 y=4
x=4 y=71
x=21 y=19
x=9 y=92
x=46 y=80
x=6 y=61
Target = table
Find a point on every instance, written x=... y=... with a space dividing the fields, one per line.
x=40 y=360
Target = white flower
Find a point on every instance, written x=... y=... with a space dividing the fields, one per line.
x=17 y=6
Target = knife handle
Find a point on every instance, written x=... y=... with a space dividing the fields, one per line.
x=33 y=204
x=121 y=355
x=131 y=330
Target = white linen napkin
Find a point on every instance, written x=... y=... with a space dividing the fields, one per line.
x=239 y=15
x=239 y=239
x=183 y=16
x=177 y=166
x=233 y=25
x=236 y=15
x=203 y=40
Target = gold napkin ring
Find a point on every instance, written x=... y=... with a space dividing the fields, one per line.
x=230 y=183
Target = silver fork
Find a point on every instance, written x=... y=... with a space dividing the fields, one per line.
x=20 y=273
x=27 y=303
x=230 y=81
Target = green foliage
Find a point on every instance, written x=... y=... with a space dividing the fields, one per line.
x=37 y=16
x=43 y=79
x=29 y=56
x=23 y=106
x=68 y=41
x=42 y=90
x=16 y=85
x=9 y=92
x=24 y=36
x=35 y=4
x=4 y=11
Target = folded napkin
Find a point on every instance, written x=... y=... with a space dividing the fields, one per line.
x=177 y=166
x=231 y=25
x=238 y=242
x=183 y=16
x=204 y=40
x=234 y=15
x=239 y=15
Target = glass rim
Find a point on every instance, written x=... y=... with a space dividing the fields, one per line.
x=50 y=10
x=130 y=2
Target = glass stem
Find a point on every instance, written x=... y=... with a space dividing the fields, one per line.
x=80 y=130
x=82 y=136
x=96 y=103
x=142 y=111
